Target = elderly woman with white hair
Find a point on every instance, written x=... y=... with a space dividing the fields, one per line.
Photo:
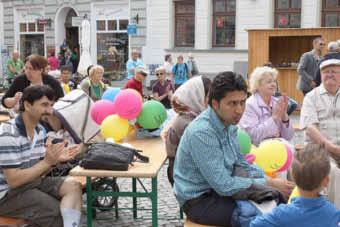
x=93 y=85
x=265 y=116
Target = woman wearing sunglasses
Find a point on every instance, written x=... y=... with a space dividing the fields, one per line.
x=162 y=90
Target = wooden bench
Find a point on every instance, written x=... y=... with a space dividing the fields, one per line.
x=12 y=222
x=189 y=223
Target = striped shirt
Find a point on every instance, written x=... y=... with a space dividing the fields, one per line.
x=16 y=150
x=206 y=157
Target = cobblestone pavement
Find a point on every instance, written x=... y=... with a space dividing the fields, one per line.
x=168 y=209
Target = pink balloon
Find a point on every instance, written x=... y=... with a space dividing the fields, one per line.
x=250 y=158
x=101 y=109
x=289 y=159
x=128 y=104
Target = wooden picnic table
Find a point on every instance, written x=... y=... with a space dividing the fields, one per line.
x=154 y=148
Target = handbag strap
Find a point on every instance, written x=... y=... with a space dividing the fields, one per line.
x=141 y=158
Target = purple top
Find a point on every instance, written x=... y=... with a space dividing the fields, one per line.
x=160 y=89
x=257 y=121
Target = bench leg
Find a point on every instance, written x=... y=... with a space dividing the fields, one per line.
x=89 y=201
x=154 y=202
x=134 y=199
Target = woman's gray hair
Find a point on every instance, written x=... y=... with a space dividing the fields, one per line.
x=258 y=75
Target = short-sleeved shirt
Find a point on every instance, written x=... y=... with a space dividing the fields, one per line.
x=18 y=65
x=181 y=73
x=161 y=89
x=16 y=150
x=322 y=108
x=131 y=64
x=135 y=84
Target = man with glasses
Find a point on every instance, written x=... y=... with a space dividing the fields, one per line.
x=136 y=82
x=320 y=118
x=162 y=90
x=308 y=66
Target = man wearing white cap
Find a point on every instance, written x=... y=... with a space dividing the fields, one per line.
x=320 y=118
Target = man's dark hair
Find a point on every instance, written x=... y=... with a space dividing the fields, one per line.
x=226 y=82
x=64 y=68
x=34 y=93
x=310 y=166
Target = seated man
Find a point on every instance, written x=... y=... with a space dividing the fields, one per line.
x=136 y=82
x=208 y=155
x=320 y=117
x=65 y=79
x=25 y=158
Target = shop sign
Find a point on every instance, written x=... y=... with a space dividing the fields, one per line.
x=132 y=29
x=44 y=22
x=76 y=21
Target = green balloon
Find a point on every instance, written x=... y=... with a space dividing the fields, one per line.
x=244 y=141
x=153 y=114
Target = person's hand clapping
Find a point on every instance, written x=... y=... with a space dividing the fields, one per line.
x=69 y=153
x=53 y=152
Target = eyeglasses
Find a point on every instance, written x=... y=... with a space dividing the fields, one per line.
x=322 y=44
x=159 y=74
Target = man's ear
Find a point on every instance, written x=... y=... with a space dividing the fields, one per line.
x=27 y=105
x=214 y=104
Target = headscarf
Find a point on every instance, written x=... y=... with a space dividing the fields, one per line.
x=190 y=97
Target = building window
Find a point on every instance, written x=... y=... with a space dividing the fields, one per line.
x=112 y=47
x=330 y=13
x=31 y=39
x=185 y=23
x=224 y=23
x=287 y=13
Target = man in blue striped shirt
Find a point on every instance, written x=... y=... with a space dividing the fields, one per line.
x=24 y=159
x=208 y=154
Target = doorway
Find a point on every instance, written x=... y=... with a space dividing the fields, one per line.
x=71 y=33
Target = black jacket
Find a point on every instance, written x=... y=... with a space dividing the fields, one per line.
x=21 y=82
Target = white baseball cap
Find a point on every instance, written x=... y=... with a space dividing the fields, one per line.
x=329 y=62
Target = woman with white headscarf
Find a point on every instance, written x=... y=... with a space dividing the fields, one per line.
x=188 y=102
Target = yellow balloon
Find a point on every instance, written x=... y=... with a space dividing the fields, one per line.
x=271 y=155
x=114 y=127
x=295 y=193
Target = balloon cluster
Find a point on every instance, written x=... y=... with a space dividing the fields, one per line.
x=117 y=107
x=273 y=155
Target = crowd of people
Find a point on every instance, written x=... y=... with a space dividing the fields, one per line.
x=210 y=176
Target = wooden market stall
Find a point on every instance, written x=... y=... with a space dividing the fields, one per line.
x=283 y=48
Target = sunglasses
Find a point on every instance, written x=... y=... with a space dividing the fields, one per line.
x=322 y=44
x=159 y=74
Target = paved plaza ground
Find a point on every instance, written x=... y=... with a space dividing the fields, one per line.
x=168 y=209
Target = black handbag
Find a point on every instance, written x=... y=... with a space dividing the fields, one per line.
x=110 y=156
